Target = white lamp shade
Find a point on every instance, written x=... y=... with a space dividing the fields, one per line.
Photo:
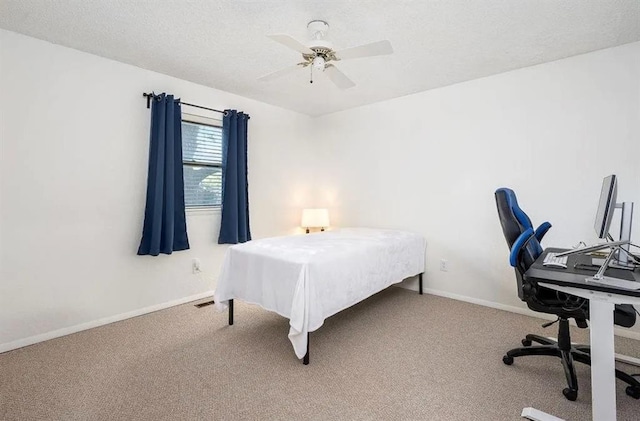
x=315 y=218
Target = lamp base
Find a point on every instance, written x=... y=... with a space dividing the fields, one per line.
x=307 y=230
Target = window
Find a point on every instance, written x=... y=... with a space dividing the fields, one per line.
x=202 y=162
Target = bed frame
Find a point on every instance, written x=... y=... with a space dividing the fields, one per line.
x=305 y=360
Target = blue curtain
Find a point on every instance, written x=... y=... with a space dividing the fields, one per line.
x=234 y=224
x=165 y=225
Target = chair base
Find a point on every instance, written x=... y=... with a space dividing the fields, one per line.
x=568 y=354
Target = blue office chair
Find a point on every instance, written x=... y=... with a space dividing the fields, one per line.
x=525 y=248
x=515 y=222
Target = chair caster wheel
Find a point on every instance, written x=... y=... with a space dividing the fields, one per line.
x=634 y=392
x=570 y=394
x=507 y=360
x=526 y=342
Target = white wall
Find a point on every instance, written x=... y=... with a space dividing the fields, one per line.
x=73 y=161
x=430 y=162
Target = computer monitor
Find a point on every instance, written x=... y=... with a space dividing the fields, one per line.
x=606 y=206
x=604 y=216
x=619 y=255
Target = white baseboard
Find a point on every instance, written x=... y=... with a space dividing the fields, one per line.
x=100 y=322
x=118 y=317
x=626 y=333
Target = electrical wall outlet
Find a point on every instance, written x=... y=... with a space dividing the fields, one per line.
x=195 y=266
x=444 y=265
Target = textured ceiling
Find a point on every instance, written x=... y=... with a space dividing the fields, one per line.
x=222 y=44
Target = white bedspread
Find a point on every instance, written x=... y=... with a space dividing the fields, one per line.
x=307 y=278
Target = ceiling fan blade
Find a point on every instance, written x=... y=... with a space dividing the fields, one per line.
x=374 y=49
x=336 y=76
x=278 y=73
x=291 y=42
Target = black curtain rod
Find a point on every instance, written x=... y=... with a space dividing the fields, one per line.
x=152 y=95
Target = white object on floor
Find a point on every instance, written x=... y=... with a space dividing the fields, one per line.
x=535 y=415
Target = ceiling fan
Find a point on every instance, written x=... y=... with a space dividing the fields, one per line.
x=319 y=54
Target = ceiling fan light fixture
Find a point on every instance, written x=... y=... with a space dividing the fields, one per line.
x=318 y=63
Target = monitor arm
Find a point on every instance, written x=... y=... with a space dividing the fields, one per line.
x=600 y=274
x=625 y=230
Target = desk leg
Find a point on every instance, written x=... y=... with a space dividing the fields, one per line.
x=420 y=283
x=603 y=379
x=230 y=312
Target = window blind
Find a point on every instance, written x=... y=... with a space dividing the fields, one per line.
x=202 y=164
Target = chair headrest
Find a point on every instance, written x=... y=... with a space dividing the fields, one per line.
x=512 y=202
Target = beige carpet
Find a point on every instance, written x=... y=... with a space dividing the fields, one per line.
x=398 y=355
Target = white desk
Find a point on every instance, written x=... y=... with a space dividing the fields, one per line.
x=603 y=378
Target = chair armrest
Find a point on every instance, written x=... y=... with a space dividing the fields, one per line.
x=542 y=230
x=518 y=244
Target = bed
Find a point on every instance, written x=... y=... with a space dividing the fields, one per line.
x=308 y=278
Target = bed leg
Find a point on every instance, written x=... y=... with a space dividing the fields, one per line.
x=420 y=283
x=231 y=312
x=305 y=360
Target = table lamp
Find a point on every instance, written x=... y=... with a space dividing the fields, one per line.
x=315 y=218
